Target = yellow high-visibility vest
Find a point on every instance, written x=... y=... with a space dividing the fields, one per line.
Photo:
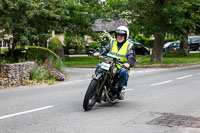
x=122 y=52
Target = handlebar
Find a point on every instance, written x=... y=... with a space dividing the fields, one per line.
x=114 y=57
x=117 y=59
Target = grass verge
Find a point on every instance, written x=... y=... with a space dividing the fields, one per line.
x=142 y=61
x=170 y=61
x=82 y=61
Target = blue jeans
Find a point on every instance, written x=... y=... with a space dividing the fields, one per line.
x=123 y=75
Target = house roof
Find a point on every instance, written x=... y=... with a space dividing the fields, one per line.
x=111 y=26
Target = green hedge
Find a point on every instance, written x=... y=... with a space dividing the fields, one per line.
x=169 y=40
x=56 y=46
x=34 y=52
x=95 y=45
x=148 y=42
x=141 y=39
x=40 y=53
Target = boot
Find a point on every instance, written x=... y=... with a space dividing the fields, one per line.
x=119 y=94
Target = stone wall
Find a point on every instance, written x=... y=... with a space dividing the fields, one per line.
x=15 y=74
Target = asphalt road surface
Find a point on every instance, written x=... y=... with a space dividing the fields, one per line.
x=152 y=94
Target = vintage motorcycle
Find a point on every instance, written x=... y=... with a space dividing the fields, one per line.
x=103 y=86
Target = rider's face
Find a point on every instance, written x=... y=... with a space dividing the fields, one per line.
x=120 y=38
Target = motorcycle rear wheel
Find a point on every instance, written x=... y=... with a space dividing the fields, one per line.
x=91 y=95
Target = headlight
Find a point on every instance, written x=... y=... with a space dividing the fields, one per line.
x=114 y=70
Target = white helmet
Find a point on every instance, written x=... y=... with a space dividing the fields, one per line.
x=123 y=30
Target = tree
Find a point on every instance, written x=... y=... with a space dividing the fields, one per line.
x=29 y=20
x=187 y=21
x=32 y=21
x=151 y=16
x=159 y=18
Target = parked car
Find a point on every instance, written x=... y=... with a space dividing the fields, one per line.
x=194 y=42
x=141 y=50
x=171 y=46
x=167 y=45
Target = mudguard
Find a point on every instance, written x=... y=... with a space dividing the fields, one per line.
x=97 y=76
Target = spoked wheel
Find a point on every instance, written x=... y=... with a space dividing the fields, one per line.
x=91 y=95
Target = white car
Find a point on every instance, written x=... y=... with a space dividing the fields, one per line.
x=167 y=44
x=171 y=45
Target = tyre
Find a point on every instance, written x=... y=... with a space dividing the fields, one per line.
x=91 y=95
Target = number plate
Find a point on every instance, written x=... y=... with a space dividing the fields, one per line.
x=105 y=66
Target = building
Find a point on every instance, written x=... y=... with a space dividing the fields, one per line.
x=110 y=26
x=4 y=44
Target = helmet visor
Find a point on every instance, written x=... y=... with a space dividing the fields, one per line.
x=121 y=32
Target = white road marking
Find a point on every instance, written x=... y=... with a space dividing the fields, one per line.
x=161 y=83
x=198 y=73
x=78 y=80
x=185 y=77
x=145 y=71
x=128 y=90
x=25 y=112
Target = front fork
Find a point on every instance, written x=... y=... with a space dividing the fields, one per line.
x=99 y=77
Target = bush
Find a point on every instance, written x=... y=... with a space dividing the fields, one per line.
x=66 y=49
x=103 y=38
x=141 y=39
x=169 y=40
x=40 y=53
x=49 y=72
x=4 y=50
x=34 y=52
x=95 y=45
x=79 y=48
x=56 y=46
x=144 y=41
x=149 y=43
x=73 y=41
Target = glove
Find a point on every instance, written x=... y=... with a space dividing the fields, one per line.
x=126 y=65
x=97 y=54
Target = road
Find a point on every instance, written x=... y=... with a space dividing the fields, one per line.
x=151 y=94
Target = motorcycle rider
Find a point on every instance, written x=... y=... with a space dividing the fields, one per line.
x=122 y=48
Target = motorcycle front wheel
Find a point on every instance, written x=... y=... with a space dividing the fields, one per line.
x=91 y=95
